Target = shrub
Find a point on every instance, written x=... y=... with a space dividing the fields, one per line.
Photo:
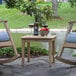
x=10 y=3
x=34 y=51
x=72 y=2
x=6 y=52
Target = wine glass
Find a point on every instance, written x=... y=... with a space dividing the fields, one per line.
x=31 y=26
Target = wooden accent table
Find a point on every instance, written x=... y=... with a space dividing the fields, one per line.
x=50 y=40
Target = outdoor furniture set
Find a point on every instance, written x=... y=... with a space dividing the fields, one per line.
x=7 y=41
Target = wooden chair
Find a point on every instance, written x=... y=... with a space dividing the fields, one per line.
x=7 y=41
x=69 y=42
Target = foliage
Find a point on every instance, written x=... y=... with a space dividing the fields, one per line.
x=10 y=3
x=40 y=14
x=8 y=52
x=18 y=20
x=21 y=5
x=72 y=2
x=31 y=8
x=47 y=10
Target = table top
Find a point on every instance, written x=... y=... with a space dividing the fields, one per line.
x=38 y=37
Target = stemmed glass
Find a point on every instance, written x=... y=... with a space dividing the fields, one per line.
x=31 y=26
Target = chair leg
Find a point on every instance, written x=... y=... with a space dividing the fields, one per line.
x=71 y=62
x=60 y=53
x=65 y=60
x=9 y=59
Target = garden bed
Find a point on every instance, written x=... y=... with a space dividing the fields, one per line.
x=34 y=51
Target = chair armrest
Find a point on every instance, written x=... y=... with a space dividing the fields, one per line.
x=1 y=21
x=72 y=22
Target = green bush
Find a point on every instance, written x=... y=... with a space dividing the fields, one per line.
x=10 y=3
x=72 y=2
x=6 y=52
x=34 y=51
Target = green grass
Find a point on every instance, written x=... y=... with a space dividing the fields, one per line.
x=44 y=3
x=66 y=13
x=18 y=20
x=15 y=18
x=17 y=40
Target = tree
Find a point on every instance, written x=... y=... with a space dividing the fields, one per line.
x=55 y=8
x=72 y=2
x=31 y=8
x=10 y=3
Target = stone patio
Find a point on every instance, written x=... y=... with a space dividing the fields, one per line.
x=37 y=67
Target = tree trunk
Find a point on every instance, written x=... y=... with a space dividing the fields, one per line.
x=55 y=8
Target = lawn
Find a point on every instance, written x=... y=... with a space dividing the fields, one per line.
x=17 y=40
x=18 y=20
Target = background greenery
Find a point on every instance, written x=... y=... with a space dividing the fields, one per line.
x=34 y=51
x=18 y=20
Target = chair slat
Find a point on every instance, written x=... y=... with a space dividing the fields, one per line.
x=5 y=44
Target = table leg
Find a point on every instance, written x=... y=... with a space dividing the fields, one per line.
x=50 y=53
x=23 y=46
x=28 y=50
x=53 y=51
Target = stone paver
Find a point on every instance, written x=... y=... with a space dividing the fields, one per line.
x=37 y=67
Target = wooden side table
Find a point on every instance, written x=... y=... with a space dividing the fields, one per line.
x=28 y=39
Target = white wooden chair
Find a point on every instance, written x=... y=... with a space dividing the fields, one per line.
x=69 y=42
x=7 y=41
